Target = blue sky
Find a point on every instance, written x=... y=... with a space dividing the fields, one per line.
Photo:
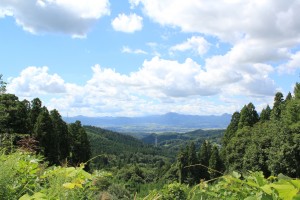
x=142 y=57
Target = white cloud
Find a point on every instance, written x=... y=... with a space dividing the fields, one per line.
x=258 y=31
x=126 y=49
x=292 y=65
x=196 y=44
x=127 y=23
x=159 y=86
x=229 y=20
x=73 y=17
x=35 y=81
x=134 y=3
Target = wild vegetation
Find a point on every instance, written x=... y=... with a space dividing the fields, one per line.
x=42 y=157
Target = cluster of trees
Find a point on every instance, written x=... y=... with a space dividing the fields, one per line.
x=32 y=126
x=204 y=164
x=269 y=142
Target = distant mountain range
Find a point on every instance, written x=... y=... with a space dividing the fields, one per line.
x=168 y=122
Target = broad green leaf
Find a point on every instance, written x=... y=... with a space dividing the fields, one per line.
x=259 y=178
x=296 y=183
x=283 y=177
x=267 y=189
x=286 y=191
x=236 y=174
x=25 y=197
x=69 y=185
x=36 y=196
x=86 y=174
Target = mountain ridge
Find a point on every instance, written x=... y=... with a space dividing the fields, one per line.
x=156 y=123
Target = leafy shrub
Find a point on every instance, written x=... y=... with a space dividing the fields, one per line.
x=24 y=176
x=249 y=187
x=18 y=174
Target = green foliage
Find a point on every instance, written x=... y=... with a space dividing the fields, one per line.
x=25 y=176
x=265 y=114
x=18 y=174
x=204 y=156
x=297 y=91
x=248 y=116
x=271 y=145
x=277 y=106
x=252 y=186
x=2 y=85
x=215 y=163
x=60 y=130
x=12 y=115
x=173 y=191
x=80 y=145
x=45 y=134
x=231 y=129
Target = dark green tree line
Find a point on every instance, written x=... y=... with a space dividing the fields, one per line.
x=57 y=141
x=269 y=143
x=195 y=166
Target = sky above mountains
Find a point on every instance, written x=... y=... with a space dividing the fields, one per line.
x=141 y=57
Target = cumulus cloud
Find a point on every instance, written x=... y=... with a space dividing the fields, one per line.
x=127 y=23
x=258 y=31
x=126 y=49
x=158 y=86
x=292 y=65
x=73 y=17
x=229 y=20
x=196 y=44
x=34 y=81
x=134 y=3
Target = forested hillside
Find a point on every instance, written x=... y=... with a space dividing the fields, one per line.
x=31 y=126
x=257 y=157
x=269 y=142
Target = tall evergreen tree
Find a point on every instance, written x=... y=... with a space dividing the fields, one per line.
x=277 y=106
x=12 y=114
x=288 y=97
x=45 y=134
x=80 y=146
x=248 y=116
x=36 y=108
x=215 y=163
x=182 y=163
x=232 y=128
x=192 y=160
x=297 y=91
x=60 y=129
x=204 y=155
x=265 y=114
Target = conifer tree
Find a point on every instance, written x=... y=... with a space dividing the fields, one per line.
x=215 y=163
x=60 y=129
x=36 y=107
x=277 y=106
x=45 y=134
x=265 y=114
x=248 y=116
x=297 y=91
x=12 y=114
x=232 y=128
x=288 y=97
x=182 y=163
x=80 y=146
x=192 y=160
x=204 y=155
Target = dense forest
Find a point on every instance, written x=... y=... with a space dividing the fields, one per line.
x=43 y=157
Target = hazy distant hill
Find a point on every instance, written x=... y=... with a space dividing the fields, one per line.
x=156 y=123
